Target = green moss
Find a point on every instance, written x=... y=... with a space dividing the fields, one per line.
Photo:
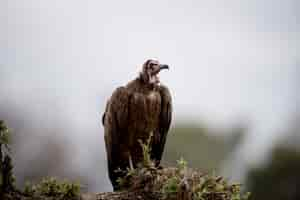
x=52 y=187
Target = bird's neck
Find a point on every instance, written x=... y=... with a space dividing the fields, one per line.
x=139 y=85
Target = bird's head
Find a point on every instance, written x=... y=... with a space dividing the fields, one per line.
x=150 y=71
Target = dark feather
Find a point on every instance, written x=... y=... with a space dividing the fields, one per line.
x=164 y=124
x=115 y=120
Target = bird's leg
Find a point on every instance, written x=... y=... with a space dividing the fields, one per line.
x=130 y=162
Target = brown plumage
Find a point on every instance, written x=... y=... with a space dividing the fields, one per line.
x=132 y=113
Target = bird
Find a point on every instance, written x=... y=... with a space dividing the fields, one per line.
x=140 y=110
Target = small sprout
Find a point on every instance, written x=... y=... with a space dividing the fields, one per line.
x=182 y=164
x=121 y=181
x=146 y=149
x=124 y=181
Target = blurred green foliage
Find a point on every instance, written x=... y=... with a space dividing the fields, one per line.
x=201 y=146
x=7 y=179
x=279 y=179
x=5 y=137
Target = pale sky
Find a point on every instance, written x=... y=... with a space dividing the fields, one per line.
x=228 y=59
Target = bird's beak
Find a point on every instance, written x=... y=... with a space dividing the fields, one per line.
x=163 y=66
x=158 y=68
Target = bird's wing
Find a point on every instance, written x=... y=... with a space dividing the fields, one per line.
x=115 y=121
x=116 y=113
x=104 y=114
x=164 y=124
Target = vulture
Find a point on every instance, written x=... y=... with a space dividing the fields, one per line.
x=134 y=113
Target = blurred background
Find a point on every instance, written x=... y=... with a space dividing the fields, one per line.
x=234 y=78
